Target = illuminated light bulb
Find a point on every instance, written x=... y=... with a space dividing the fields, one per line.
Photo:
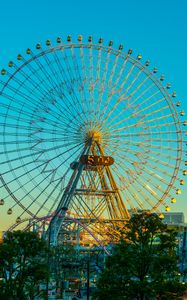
x=182 y=182
x=178 y=103
x=173 y=200
x=161 y=216
x=178 y=191
x=185 y=172
x=167 y=208
x=139 y=56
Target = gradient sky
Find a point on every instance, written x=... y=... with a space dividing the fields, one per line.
x=156 y=29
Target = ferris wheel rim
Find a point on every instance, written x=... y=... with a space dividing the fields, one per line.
x=153 y=78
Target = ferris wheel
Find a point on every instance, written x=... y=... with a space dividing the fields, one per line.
x=89 y=129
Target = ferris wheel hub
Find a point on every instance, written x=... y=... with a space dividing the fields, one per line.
x=94 y=136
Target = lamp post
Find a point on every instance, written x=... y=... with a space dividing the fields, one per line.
x=49 y=244
x=88 y=280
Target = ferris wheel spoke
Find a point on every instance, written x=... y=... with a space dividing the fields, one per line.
x=46 y=72
x=46 y=84
x=51 y=67
x=20 y=104
x=41 y=206
x=29 y=191
x=67 y=150
x=39 y=153
x=126 y=98
x=95 y=83
x=152 y=106
x=26 y=89
x=82 y=81
x=161 y=162
x=31 y=162
x=151 y=97
x=60 y=93
x=136 y=114
x=38 y=119
x=31 y=103
x=145 y=186
x=146 y=144
x=131 y=103
x=141 y=134
x=72 y=94
x=133 y=197
x=90 y=58
x=130 y=85
x=119 y=75
x=45 y=169
x=85 y=81
x=118 y=90
x=58 y=86
x=165 y=172
x=68 y=97
x=98 y=65
x=134 y=174
x=110 y=80
x=105 y=73
x=158 y=178
x=62 y=110
x=151 y=191
x=141 y=122
x=102 y=86
x=136 y=89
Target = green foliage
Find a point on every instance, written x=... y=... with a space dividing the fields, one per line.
x=22 y=265
x=144 y=265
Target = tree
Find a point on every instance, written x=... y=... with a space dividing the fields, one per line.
x=144 y=265
x=22 y=265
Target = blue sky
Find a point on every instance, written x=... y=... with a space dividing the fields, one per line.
x=156 y=29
